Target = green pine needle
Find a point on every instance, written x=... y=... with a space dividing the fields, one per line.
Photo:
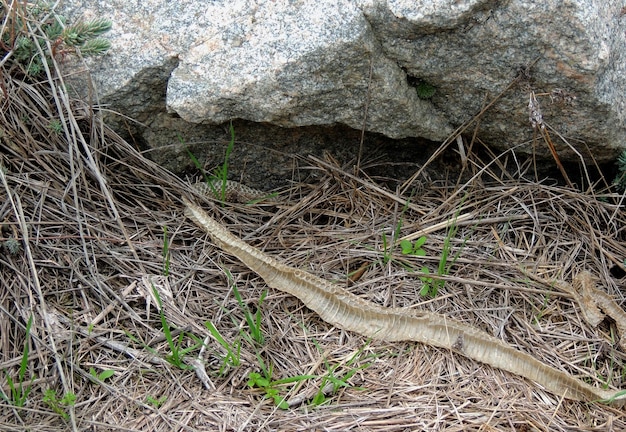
x=95 y=47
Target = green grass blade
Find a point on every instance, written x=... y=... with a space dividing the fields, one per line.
x=220 y=339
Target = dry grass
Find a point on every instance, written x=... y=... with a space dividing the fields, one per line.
x=89 y=212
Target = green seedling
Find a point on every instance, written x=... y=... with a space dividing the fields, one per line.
x=425 y=90
x=102 y=376
x=338 y=380
x=271 y=392
x=233 y=352
x=178 y=353
x=254 y=336
x=199 y=167
x=166 y=253
x=156 y=403
x=55 y=126
x=432 y=285
x=388 y=245
x=19 y=394
x=57 y=405
x=221 y=173
x=253 y=320
x=218 y=181
x=271 y=388
x=414 y=248
x=12 y=246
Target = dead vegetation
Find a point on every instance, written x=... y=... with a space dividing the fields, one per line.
x=91 y=228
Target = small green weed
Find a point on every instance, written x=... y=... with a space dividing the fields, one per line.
x=156 y=403
x=254 y=336
x=253 y=320
x=12 y=245
x=336 y=376
x=101 y=376
x=424 y=90
x=388 y=245
x=414 y=248
x=19 y=394
x=272 y=388
x=233 y=352
x=255 y=379
x=431 y=285
x=336 y=379
x=218 y=180
x=57 y=405
x=55 y=126
x=177 y=352
x=221 y=173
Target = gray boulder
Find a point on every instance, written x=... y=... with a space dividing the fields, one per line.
x=419 y=68
x=297 y=65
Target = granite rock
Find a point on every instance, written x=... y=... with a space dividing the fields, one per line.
x=418 y=68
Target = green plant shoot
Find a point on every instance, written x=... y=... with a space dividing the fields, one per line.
x=102 y=376
x=57 y=405
x=177 y=352
x=19 y=394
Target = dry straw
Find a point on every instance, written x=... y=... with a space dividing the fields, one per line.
x=88 y=212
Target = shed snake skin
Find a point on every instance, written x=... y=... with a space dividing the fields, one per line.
x=345 y=310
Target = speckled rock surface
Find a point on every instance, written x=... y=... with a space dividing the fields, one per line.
x=309 y=62
x=298 y=64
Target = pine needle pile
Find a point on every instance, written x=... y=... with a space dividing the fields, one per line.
x=117 y=313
